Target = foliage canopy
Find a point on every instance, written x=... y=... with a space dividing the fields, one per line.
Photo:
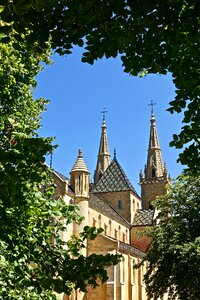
x=31 y=266
x=174 y=256
x=150 y=37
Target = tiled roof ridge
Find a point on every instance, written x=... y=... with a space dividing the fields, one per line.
x=125 y=176
x=107 y=181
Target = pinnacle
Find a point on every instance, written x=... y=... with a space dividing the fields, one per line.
x=79 y=164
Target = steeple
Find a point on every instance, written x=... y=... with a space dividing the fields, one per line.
x=103 y=158
x=155 y=166
x=155 y=176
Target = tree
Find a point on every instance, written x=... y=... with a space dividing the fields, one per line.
x=174 y=255
x=31 y=266
x=150 y=36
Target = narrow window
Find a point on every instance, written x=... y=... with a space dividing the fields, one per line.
x=79 y=183
x=105 y=228
x=85 y=182
x=119 y=204
x=153 y=173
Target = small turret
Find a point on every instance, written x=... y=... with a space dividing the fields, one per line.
x=80 y=177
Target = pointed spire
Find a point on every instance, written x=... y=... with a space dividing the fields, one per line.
x=103 y=159
x=155 y=167
x=155 y=178
x=79 y=164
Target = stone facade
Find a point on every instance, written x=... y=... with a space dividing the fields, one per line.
x=113 y=204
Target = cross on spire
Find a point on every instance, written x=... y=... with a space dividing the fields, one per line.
x=104 y=113
x=152 y=105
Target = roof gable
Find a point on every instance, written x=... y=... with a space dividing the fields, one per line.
x=113 y=180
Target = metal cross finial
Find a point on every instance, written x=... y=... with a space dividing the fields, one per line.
x=152 y=104
x=104 y=113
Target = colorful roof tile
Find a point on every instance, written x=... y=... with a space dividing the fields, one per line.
x=143 y=217
x=113 y=180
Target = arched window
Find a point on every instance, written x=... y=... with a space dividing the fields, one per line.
x=119 y=204
x=153 y=173
x=94 y=222
x=99 y=217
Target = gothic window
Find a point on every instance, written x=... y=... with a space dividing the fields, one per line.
x=133 y=205
x=105 y=228
x=94 y=222
x=124 y=237
x=99 y=220
x=110 y=226
x=119 y=204
x=119 y=232
x=153 y=173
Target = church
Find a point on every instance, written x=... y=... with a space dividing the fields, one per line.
x=112 y=203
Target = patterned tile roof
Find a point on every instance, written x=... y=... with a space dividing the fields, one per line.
x=113 y=180
x=143 y=217
x=105 y=209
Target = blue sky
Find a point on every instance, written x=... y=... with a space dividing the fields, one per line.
x=78 y=92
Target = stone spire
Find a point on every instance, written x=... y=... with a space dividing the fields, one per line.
x=103 y=159
x=79 y=164
x=155 y=165
x=155 y=176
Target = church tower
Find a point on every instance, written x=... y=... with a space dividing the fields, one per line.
x=155 y=178
x=103 y=158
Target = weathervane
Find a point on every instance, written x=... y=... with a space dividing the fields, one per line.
x=152 y=105
x=104 y=113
